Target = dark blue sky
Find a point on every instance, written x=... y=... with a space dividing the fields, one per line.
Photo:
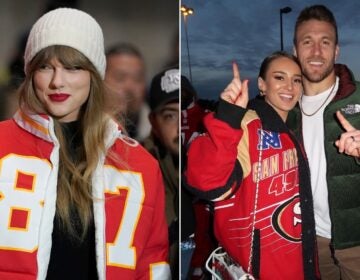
x=222 y=31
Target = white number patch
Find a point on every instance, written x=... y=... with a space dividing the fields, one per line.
x=121 y=252
x=22 y=187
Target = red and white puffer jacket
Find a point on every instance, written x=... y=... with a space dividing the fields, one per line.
x=130 y=225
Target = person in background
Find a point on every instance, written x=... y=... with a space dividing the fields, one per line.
x=163 y=144
x=68 y=172
x=197 y=239
x=253 y=168
x=331 y=95
x=126 y=82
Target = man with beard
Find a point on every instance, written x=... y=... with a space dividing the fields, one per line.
x=126 y=87
x=325 y=119
x=163 y=144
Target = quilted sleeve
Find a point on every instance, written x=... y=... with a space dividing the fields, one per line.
x=212 y=166
x=153 y=263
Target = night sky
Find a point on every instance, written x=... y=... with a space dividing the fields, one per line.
x=245 y=31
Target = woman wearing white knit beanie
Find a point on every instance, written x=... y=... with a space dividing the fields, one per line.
x=78 y=198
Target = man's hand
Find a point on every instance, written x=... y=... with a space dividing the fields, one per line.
x=349 y=142
x=236 y=92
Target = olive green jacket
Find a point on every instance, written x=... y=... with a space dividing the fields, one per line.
x=343 y=171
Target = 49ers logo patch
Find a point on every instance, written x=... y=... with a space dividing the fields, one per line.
x=286 y=220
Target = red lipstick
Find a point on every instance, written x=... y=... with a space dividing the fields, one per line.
x=59 y=97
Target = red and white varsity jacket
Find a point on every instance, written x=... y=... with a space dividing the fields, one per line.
x=130 y=226
x=231 y=165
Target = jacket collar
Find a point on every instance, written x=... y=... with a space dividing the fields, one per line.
x=346 y=81
x=42 y=126
x=269 y=117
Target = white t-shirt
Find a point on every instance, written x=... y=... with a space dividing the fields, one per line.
x=313 y=133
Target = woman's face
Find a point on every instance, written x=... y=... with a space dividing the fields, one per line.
x=282 y=85
x=62 y=90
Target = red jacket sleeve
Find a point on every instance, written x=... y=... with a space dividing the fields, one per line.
x=212 y=165
x=153 y=261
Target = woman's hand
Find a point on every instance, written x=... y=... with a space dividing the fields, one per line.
x=236 y=92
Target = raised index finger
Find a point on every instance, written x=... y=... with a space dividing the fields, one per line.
x=344 y=122
x=236 y=72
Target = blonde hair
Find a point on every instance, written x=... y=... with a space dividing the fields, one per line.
x=74 y=190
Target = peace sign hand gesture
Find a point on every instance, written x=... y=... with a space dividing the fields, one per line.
x=349 y=140
x=236 y=92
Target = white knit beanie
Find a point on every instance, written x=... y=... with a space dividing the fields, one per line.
x=68 y=27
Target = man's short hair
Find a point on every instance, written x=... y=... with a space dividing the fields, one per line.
x=317 y=12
